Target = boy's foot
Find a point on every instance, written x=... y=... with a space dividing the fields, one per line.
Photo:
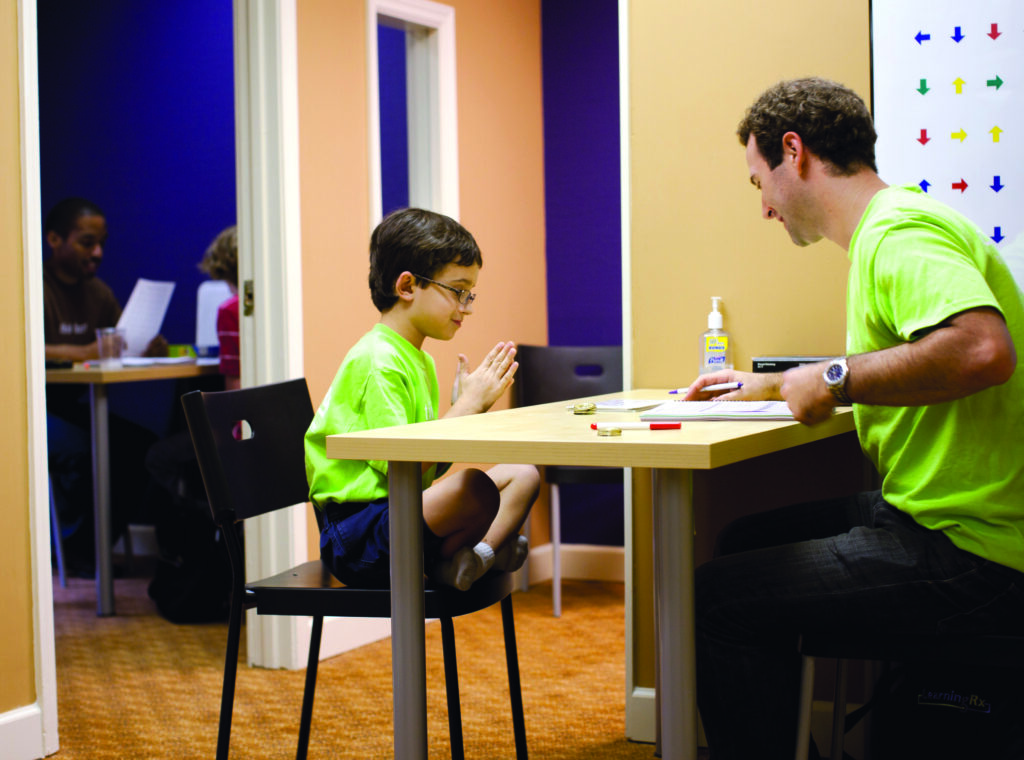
x=465 y=566
x=512 y=554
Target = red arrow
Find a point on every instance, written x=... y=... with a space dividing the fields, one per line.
x=961 y=185
x=995 y=31
x=924 y=138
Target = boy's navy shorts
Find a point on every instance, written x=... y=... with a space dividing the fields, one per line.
x=355 y=541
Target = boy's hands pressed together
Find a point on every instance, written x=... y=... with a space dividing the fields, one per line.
x=476 y=391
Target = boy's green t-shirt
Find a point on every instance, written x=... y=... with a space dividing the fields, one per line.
x=383 y=381
x=956 y=466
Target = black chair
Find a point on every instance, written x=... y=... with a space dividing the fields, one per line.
x=557 y=373
x=976 y=651
x=249 y=444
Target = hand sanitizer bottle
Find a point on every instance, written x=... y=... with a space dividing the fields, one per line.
x=715 y=351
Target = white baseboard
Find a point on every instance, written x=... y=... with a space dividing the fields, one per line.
x=582 y=562
x=22 y=735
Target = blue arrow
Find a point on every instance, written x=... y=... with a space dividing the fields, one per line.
x=924 y=185
x=921 y=36
x=998 y=237
x=957 y=36
x=996 y=184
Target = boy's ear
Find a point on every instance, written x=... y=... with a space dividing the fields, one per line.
x=405 y=285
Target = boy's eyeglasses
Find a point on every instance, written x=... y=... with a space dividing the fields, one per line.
x=465 y=297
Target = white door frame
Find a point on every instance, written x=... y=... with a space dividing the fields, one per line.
x=31 y=731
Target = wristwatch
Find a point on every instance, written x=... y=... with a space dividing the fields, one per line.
x=836 y=374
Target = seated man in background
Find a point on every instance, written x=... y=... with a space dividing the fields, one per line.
x=76 y=302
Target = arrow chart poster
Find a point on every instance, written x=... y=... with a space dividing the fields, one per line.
x=949 y=107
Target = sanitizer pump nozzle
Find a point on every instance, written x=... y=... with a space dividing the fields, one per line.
x=716 y=353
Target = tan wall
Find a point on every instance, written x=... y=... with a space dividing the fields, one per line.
x=696 y=226
x=17 y=673
x=501 y=177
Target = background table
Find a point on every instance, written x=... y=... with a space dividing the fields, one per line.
x=98 y=379
x=549 y=435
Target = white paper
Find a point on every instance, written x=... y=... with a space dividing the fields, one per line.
x=143 y=315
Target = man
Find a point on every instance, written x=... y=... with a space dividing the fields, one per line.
x=75 y=303
x=933 y=318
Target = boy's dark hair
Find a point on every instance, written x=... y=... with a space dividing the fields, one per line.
x=63 y=216
x=832 y=120
x=417 y=241
x=220 y=261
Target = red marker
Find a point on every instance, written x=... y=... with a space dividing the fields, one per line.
x=635 y=425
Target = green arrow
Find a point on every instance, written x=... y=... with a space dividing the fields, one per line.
x=924 y=87
x=997 y=82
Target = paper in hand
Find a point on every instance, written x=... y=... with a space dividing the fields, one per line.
x=143 y=315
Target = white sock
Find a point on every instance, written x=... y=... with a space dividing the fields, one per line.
x=465 y=566
x=512 y=554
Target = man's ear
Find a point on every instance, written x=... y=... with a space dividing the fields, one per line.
x=53 y=239
x=794 y=150
x=405 y=285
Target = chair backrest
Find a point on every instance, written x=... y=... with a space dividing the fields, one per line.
x=263 y=469
x=210 y=295
x=556 y=373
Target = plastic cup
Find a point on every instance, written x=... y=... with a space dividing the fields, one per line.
x=111 y=342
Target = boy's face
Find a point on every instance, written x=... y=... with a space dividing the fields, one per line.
x=436 y=312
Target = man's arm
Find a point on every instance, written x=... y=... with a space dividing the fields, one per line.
x=70 y=351
x=965 y=354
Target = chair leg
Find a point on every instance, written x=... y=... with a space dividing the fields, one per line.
x=556 y=552
x=227 y=698
x=514 y=687
x=839 y=711
x=803 y=727
x=309 y=692
x=58 y=539
x=451 y=685
x=524 y=571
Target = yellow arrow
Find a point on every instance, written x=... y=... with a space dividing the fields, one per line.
x=959 y=84
x=961 y=135
x=996 y=131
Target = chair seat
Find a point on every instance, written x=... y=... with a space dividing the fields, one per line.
x=996 y=650
x=310 y=588
x=563 y=475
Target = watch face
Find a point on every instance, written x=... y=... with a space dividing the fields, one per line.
x=834 y=373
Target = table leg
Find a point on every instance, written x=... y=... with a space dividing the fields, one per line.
x=673 y=548
x=101 y=498
x=408 y=647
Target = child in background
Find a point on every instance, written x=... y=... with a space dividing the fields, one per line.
x=423 y=267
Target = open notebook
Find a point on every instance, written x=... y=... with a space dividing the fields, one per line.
x=685 y=411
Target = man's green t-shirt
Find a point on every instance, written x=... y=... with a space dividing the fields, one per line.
x=956 y=466
x=383 y=381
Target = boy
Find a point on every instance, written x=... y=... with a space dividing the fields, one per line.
x=423 y=267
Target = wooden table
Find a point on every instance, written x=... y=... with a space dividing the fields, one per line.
x=549 y=435
x=98 y=379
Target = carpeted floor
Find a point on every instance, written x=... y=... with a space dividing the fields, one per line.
x=136 y=686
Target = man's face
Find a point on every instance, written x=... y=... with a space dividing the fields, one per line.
x=783 y=195
x=78 y=256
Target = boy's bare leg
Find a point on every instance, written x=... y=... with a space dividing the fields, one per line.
x=460 y=508
x=518 y=486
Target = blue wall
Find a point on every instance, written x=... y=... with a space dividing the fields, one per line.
x=581 y=176
x=136 y=113
x=582 y=206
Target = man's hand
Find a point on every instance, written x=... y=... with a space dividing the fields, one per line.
x=756 y=386
x=806 y=393
x=476 y=391
x=156 y=347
